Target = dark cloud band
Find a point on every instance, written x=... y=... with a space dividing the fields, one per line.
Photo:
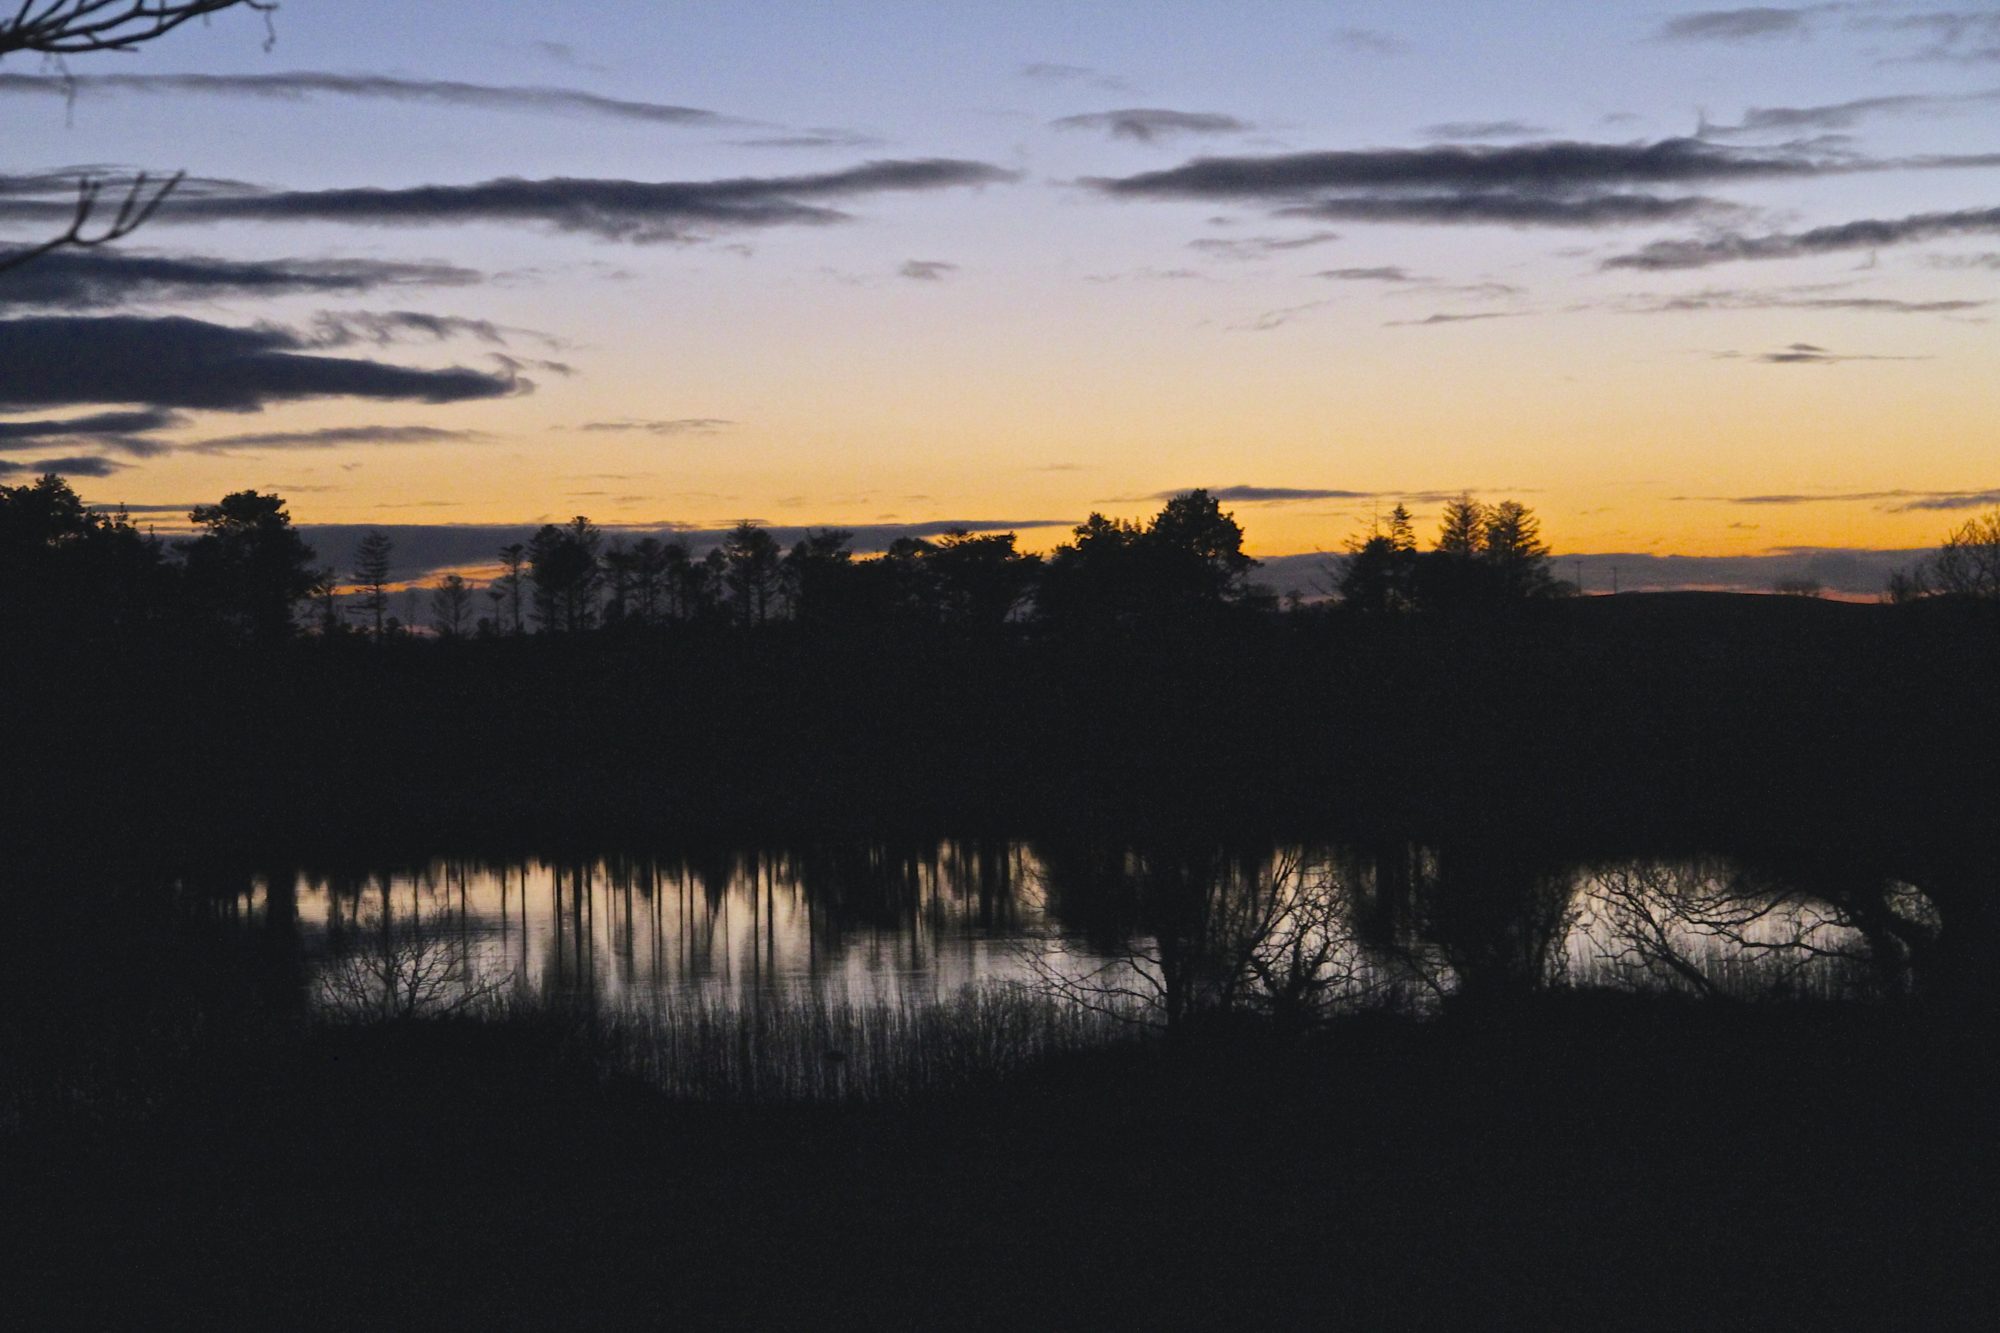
x=627 y=210
x=179 y=362
x=87 y=465
x=98 y=425
x=96 y=279
x=1539 y=167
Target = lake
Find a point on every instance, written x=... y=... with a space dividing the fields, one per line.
x=1150 y=932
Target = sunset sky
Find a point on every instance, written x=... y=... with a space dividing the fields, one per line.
x=1708 y=283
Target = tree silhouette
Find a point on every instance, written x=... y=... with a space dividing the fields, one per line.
x=753 y=560
x=1186 y=565
x=618 y=566
x=248 y=566
x=371 y=576
x=509 y=590
x=1460 y=527
x=63 y=561
x=564 y=567
x=650 y=562
x=1379 y=572
x=1484 y=556
x=1967 y=564
x=1196 y=554
x=1086 y=580
x=1510 y=545
x=819 y=580
x=451 y=606
x=980 y=580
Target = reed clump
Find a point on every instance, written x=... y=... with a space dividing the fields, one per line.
x=806 y=1046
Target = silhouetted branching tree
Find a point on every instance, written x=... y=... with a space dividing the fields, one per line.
x=451 y=606
x=563 y=566
x=753 y=562
x=1378 y=574
x=371 y=577
x=1966 y=565
x=1184 y=567
x=63 y=562
x=56 y=29
x=1484 y=556
x=248 y=566
x=509 y=591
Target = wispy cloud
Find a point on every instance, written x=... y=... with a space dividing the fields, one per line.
x=815 y=137
x=1861 y=234
x=383 y=328
x=1848 y=114
x=1809 y=354
x=333 y=437
x=660 y=426
x=626 y=210
x=310 y=85
x=1451 y=317
x=1259 y=247
x=1736 y=298
x=1150 y=124
x=1756 y=23
x=1369 y=42
x=1298 y=494
x=1269 y=494
x=927 y=270
x=1277 y=319
x=1894 y=501
x=1063 y=75
x=1965 y=37
x=1381 y=273
x=1482 y=129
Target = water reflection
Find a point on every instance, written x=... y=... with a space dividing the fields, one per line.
x=1166 y=932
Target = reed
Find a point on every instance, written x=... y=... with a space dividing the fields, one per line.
x=806 y=1046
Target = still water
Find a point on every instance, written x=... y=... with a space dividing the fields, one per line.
x=1319 y=928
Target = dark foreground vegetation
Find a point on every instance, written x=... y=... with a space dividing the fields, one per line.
x=1581 y=1163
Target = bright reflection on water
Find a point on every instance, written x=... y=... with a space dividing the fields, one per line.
x=874 y=925
x=865 y=927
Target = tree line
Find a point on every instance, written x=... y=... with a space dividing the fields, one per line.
x=247 y=573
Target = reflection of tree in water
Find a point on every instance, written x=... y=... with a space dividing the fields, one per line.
x=1174 y=934
x=1499 y=915
x=396 y=968
x=1719 y=929
x=1179 y=929
x=1481 y=921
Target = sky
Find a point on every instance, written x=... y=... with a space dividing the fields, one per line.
x=1693 y=284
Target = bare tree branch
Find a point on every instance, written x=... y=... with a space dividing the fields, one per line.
x=58 y=28
x=141 y=199
x=74 y=27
